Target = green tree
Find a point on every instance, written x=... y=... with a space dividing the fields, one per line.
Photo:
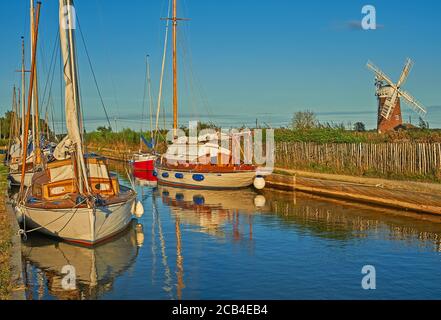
x=304 y=120
x=423 y=124
x=359 y=127
x=104 y=130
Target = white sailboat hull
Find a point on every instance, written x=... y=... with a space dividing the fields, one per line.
x=211 y=180
x=16 y=178
x=80 y=225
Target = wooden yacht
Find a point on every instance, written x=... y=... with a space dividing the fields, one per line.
x=75 y=197
x=200 y=164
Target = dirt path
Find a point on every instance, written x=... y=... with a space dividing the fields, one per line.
x=402 y=195
x=384 y=183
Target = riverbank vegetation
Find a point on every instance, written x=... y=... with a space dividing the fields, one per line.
x=322 y=135
x=5 y=239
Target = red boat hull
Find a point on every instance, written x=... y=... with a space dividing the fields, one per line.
x=145 y=175
x=146 y=165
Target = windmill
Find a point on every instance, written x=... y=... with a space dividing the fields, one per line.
x=389 y=94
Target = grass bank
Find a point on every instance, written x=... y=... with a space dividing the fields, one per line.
x=129 y=137
x=5 y=238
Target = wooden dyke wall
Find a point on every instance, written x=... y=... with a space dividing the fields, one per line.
x=401 y=159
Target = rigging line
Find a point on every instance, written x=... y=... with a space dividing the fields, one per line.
x=93 y=73
x=53 y=121
x=188 y=83
x=164 y=56
x=63 y=117
x=149 y=83
x=50 y=101
x=143 y=100
x=50 y=73
x=81 y=109
x=196 y=85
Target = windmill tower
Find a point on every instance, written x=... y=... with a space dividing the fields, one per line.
x=389 y=94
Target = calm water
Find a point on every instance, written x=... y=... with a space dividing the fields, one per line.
x=245 y=245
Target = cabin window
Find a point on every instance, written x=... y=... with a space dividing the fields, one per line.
x=102 y=186
x=37 y=191
x=199 y=200
x=58 y=190
x=198 y=177
x=165 y=175
x=179 y=176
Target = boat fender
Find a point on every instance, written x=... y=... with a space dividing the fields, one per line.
x=139 y=235
x=139 y=209
x=259 y=201
x=19 y=214
x=259 y=183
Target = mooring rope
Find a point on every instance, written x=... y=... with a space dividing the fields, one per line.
x=23 y=232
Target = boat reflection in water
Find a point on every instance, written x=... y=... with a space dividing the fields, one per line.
x=95 y=268
x=220 y=244
x=145 y=178
x=211 y=210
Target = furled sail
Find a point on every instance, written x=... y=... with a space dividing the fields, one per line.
x=72 y=101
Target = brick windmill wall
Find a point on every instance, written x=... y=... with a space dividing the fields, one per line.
x=384 y=125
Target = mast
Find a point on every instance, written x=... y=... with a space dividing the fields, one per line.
x=23 y=92
x=28 y=113
x=175 y=70
x=73 y=61
x=17 y=113
x=149 y=82
x=72 y=101
x=13 y=123
x=164 y=55
x=35 y=115
x=12 y=126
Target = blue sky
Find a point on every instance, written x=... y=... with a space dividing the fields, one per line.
x=258 y=58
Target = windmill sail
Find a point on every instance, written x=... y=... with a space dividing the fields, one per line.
x=413 y=103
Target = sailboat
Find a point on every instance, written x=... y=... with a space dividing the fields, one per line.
x=75 y=197
x=15 y=153
x=201 y=164
x=37 y=150
x=145 y=161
